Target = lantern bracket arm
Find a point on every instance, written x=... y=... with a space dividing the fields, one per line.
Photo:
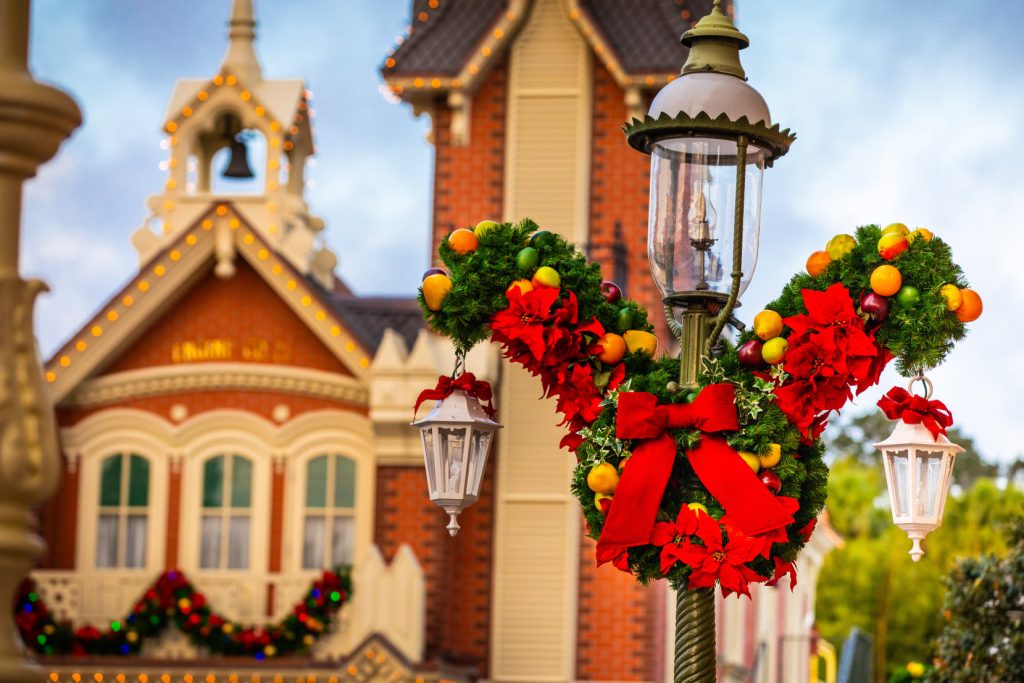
x=643 y=133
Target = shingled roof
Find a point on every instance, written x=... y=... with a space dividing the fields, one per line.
x=642 y=35
x=368 y=317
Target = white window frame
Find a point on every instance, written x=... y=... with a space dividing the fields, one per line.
x=124 y=509
x=329 y=511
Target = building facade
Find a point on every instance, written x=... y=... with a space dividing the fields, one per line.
x=237 y=414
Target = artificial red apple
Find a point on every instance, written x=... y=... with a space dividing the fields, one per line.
x=875 y=306
x=771 y=481
x=750 y=355
x=610 y=291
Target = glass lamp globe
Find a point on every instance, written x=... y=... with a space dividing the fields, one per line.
x=457 y=437
x=918 y=470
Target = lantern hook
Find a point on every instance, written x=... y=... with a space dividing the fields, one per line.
x=460 y=362
x=919 y=377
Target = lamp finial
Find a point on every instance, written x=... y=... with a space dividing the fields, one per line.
x=714 y=45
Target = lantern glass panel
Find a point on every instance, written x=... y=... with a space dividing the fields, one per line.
x=901 y=477
x=692 y=214
x=480 y=447
x=929 y=472
x=429 y=458
x=453 y=444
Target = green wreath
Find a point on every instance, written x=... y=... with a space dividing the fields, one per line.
x=866 y=299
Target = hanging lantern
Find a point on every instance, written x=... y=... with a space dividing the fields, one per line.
x=918 y=460
x=457 y=437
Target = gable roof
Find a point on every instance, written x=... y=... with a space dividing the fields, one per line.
x=160 y=282
x=451 y=43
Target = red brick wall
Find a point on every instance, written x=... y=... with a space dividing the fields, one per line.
x=457 y=570
x=241 y=307
x=469 y=180
x=619 y=192
x=57 y=523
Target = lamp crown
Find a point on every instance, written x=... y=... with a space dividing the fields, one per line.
x=715 y=45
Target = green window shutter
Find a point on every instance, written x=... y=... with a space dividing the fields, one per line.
x=241 y=482
x=110 y=481
x=344 y=482
x=213 y=482
x=316 y=482
x=138 y=481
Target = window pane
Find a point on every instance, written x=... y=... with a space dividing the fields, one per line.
x=241 y=482
x=238 y=543
x=135 y=543
x=901 y=474
x=213 y=482
x=344 y=482
x=106 y=539
x=209 y=542
x=316 y=483
x=343 y=534
x=110 y=481
x=313 y=536
x=138 y=481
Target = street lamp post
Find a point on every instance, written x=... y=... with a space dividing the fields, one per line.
x=710 y=137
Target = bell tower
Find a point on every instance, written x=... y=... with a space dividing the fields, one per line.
x=240 y=138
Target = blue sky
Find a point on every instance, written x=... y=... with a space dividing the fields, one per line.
x=905 y=111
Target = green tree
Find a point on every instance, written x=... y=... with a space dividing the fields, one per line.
x=983 y=636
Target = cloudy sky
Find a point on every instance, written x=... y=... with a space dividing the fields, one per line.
x=905 y=111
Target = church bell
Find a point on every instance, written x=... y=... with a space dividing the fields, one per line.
x=238 y=165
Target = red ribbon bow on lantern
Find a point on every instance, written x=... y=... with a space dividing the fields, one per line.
x=631 y=517
x=900 y=404
x=466 y=382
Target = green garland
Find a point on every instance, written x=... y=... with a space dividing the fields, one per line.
x=919 y=336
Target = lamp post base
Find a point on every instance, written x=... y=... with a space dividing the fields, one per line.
x=696 y=657
x=697 y=317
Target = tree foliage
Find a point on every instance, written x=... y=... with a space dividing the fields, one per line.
x=871 y=582
x=983 y=635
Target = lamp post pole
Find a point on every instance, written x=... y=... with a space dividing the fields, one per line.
x=710 y=137
x=34 y=120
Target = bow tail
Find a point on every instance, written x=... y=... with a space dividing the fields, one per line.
x=637 y=498
x=749 y=505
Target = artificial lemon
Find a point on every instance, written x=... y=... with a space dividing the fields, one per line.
x=840 y=245
x=546 y=276
x=774 y=350
x=603 y=478
x=484 y=226
x=697 y=507
x=923 y=234
x=772 y=457
x=767 y=324
x=638 y=340
x=435 y=289
x=886 y=280
x=753 y=462
x=818 y=262
x=951 y=293
x=523 y=286
x=895 y=229
x=598 y=497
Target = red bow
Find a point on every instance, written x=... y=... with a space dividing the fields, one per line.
x=466 y=382
x=631 y=517
x=900 y=404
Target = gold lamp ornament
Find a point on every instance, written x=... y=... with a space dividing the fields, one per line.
x=918 y=461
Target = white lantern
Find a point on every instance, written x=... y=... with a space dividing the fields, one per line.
x=457 y=436
x=918 y=469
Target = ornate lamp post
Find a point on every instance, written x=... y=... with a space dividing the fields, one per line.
x=710 y=137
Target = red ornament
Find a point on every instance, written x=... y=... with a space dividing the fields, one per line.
x=771 y=481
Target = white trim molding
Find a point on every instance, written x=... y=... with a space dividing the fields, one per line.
x=173 y=379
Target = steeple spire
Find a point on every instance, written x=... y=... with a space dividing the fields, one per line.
x=241 y=56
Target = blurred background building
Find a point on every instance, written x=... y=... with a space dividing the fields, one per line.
x=237 y=413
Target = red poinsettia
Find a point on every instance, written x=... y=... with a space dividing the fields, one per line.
x=782 y=568
x=829 y=352
x=671 y=536
x=525 y=321
x=713 y=560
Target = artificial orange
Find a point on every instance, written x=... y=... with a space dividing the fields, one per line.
x=523 y=286
x=886 y=280
x=767 y=324
x=818 y=262
x=970 y=306
x=613 y=348
x=603 y=478
x=463 y=241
